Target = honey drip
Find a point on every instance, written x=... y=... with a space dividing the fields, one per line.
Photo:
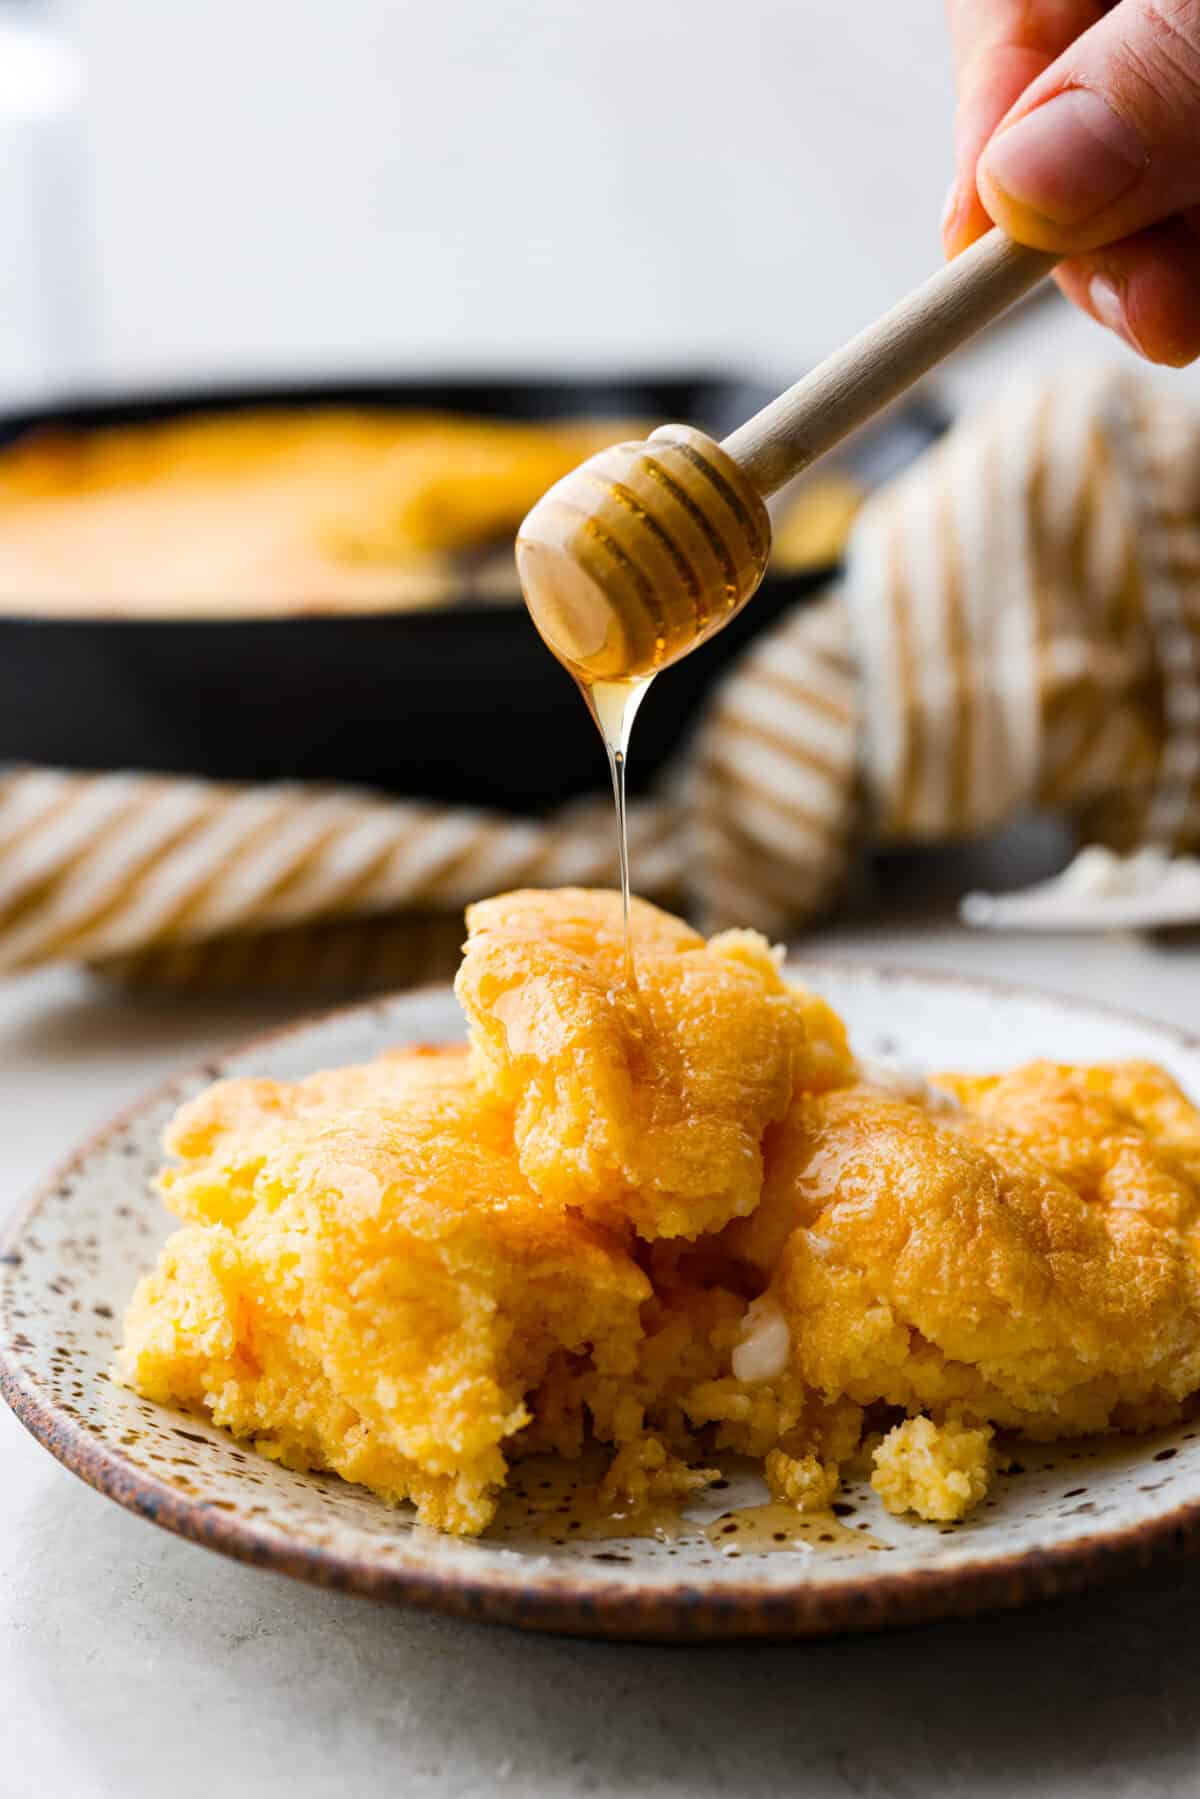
x=613 y=705
x=627 y=564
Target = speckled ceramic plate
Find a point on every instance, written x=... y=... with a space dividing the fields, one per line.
x=1064 y=1516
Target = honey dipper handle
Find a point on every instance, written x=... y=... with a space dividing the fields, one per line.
x=873 y=368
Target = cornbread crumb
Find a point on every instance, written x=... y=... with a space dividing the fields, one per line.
x=644 y=1472
x=801 y=1480
x=938 y=1471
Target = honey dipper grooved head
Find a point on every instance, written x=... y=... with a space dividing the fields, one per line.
x=641 y=553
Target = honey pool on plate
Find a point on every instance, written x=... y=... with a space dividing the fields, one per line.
x=548 y=1500
x=551 y=1505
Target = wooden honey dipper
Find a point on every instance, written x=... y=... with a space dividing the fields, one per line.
x=647 y=549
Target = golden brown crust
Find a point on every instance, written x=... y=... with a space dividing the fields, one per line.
x=366 y=1283
x=934 y=1262
x=649 y=1106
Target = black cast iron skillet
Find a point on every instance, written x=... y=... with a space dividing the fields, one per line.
x=461 y=703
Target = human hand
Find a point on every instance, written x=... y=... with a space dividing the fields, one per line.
x=1078 y=130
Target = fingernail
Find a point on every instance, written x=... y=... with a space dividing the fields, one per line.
x=1067 y=160
x=1105 y=301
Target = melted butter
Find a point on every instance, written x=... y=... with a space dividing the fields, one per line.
x=758 y=1528
x=764 y=1346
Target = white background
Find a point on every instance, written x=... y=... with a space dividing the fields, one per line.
x=286 y=186
x=275 y=182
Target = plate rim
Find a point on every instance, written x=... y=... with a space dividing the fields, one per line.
x=684 y=1611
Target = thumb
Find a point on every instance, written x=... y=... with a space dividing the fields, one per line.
x=1107 y=140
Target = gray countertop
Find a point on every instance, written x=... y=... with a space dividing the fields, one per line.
x=137 y=1665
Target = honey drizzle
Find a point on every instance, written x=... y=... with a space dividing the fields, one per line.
x=631 y=561
x=614 y=705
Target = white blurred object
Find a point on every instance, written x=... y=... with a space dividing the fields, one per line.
x=42 y=286
x=1098 y=891
x=286 y=187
